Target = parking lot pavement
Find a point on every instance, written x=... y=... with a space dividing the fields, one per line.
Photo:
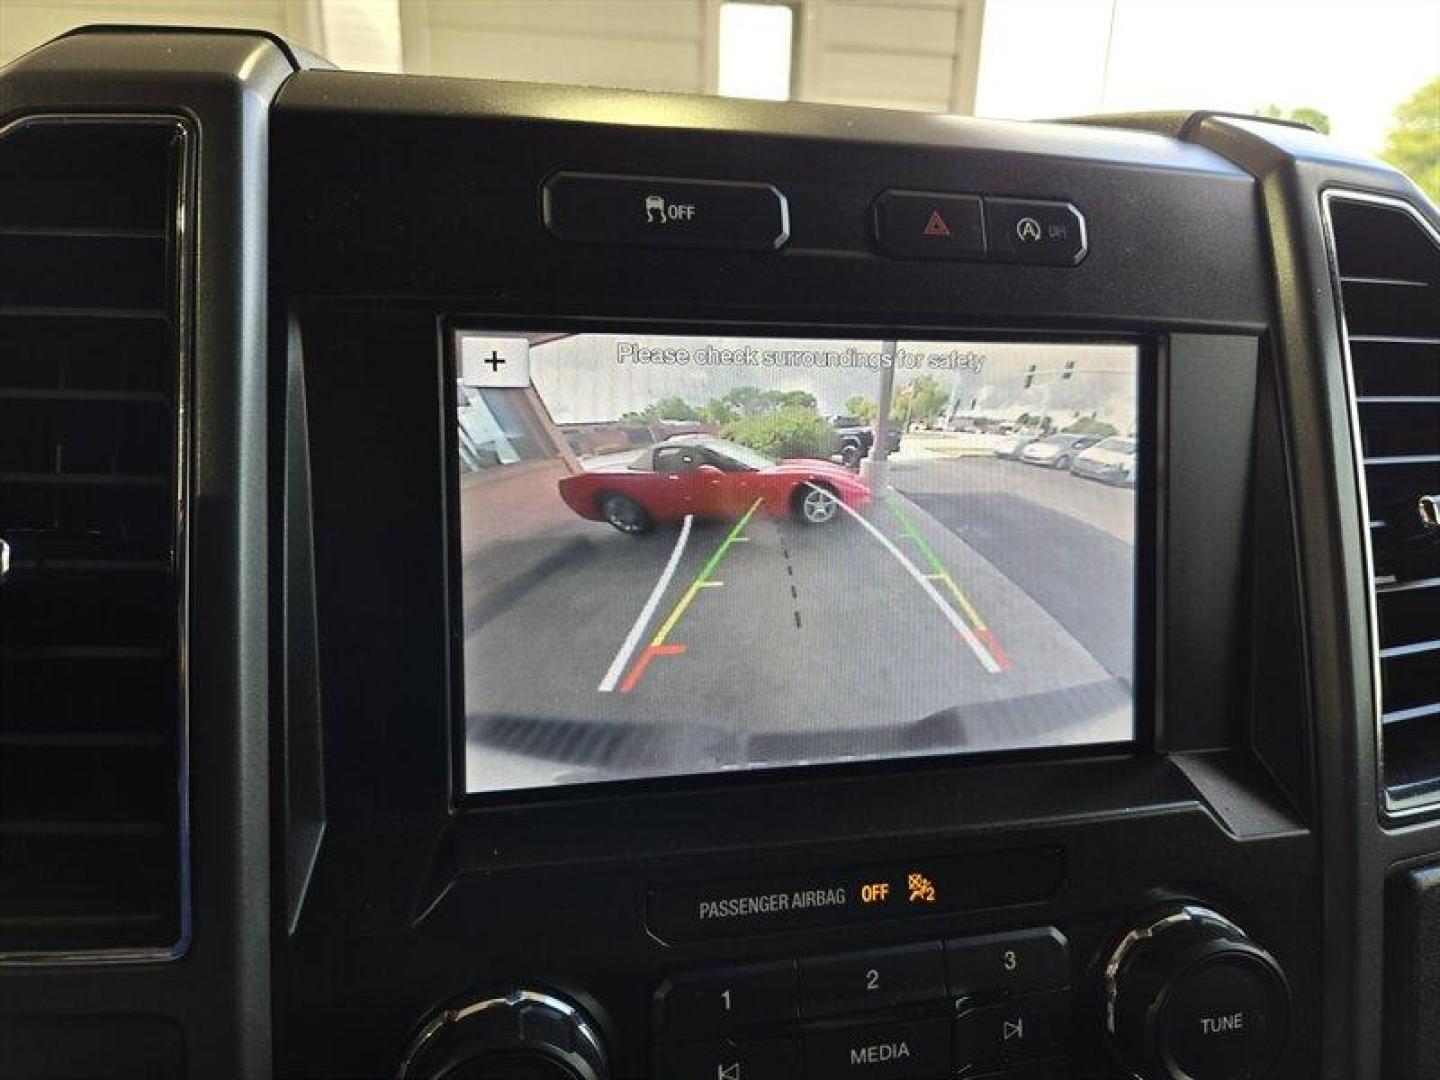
x=770 y=642
x=1066 y=542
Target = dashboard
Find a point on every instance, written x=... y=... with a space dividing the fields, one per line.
x=505 y=581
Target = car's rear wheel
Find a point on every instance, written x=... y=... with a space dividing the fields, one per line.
x=625 y=514
x=1062 y=463
x=817 y=505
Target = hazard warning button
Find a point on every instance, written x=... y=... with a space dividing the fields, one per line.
x=930 y=225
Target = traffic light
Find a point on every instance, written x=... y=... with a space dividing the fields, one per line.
x=1069 y=369
x=1029 y=376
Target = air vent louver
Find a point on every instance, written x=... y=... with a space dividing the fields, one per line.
x=1388 y=260
x=92 y=262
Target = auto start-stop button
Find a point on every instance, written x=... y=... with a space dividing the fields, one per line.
x=1224 y=1021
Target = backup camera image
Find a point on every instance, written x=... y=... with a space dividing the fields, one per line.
x=687 y=555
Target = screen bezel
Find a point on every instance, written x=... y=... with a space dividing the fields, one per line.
x=1151 y=358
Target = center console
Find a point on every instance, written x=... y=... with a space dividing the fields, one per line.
x=631 y=768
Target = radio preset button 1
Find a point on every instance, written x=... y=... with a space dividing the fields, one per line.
x=875 y=979
x=1022 y=962
x=706 y=1002
x=729 y=1059
x=1027 y=1027
x=659 y=211
x=919 y=1050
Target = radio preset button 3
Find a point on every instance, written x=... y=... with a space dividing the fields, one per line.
x=1021 y=961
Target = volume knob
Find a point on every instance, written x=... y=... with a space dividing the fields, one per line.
x=522 y=1035
x=1189 y=996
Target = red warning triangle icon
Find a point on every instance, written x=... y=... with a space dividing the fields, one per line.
x=936 y=225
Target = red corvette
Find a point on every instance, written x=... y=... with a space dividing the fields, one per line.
x=710 y=478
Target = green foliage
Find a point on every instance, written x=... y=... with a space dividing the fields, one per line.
x=670 y=408
x=752 y=401
x=1034 y=420
x=861 y=408
x=1302 y=114
x=920 y=399
x=719 y=411
x=1088 y=425
x=1413 y=145
x=788 y=433
x=749 y=401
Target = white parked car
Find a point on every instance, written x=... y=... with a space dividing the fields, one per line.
x=1111 y=461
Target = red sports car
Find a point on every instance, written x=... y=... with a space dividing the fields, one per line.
x=710 y=478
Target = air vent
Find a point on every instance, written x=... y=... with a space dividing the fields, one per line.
x=92 y=753
x=1388 y=260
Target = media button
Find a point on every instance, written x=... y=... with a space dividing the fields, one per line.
x=1035 y=231
x=706 y=1002
x=729 y=1059
x=1022 y=962
x=875 y=979
x=929 y=225
x=918 y=1050
x=658 y=211
x=1024 y=1028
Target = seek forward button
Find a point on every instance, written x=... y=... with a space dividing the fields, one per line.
x=1027 y=1027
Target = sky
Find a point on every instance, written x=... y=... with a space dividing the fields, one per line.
x=581 y=381
x=1353 y=59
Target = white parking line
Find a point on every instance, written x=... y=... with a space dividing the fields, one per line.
x=622 y=658
x=982 y=654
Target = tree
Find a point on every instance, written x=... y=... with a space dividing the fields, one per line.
x=1413 y=145
x=788 y=433
x=719 y=411
x=750 y=401
x=919 y=400
x=861 y=408
x=670 y=408
x=791 y=399
x=1302 y=114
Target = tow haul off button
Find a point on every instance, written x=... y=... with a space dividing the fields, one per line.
x=929 y=225
x=658 y=211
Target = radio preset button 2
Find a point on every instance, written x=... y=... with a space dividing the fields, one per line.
x=875 y=979
x=705 y=1002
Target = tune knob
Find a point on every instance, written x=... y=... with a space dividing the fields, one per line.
x=522 y=1035
x=1189 y=996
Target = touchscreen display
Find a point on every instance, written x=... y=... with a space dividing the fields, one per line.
x=683 y=555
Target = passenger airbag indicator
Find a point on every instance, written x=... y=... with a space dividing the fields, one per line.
x=924 y=887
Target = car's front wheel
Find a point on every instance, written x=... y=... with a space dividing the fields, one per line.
x=626 y=514
x=850 y=455
x=817 y=505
